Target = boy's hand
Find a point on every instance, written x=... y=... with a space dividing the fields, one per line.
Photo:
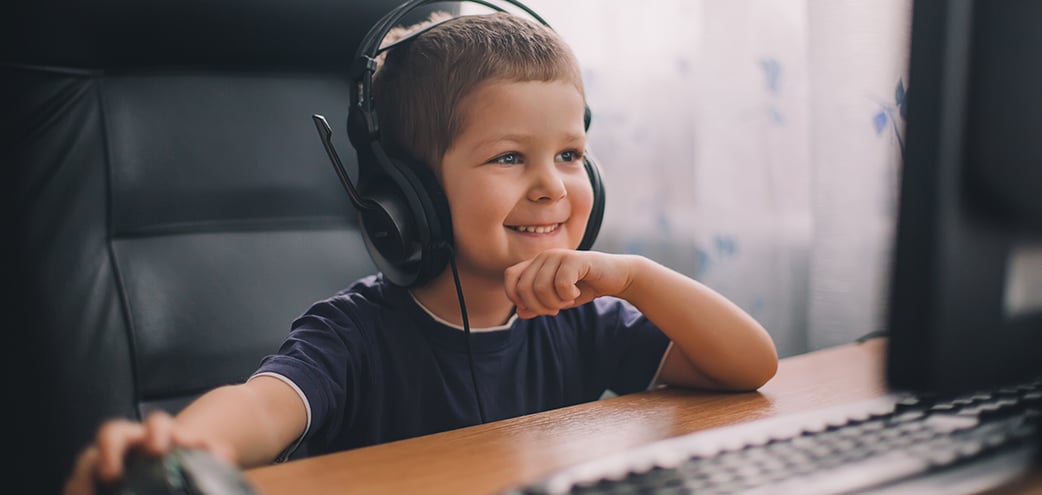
x=563 y=278
x=101 y=463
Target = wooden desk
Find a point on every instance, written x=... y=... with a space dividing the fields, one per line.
x=487 y=459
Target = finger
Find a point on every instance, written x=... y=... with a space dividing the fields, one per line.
x=567 y=275
x=83 y=479
x=114 y=439
x=159 y=427
x=545 y=284
x=510 y=279
x=526 y=286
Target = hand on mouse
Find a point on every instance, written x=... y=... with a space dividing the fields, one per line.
x=102 y=463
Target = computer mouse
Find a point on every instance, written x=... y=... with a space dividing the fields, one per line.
x=181 y=472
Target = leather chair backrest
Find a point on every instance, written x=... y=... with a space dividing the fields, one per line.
x=174 y=209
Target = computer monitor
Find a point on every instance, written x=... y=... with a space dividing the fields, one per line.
x=965 y=311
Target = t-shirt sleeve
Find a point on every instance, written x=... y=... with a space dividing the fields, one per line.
x=323 y=358
x=628 y=346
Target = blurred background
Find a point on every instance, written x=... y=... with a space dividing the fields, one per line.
x=753 y=145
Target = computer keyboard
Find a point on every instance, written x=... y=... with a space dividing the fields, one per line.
x=899 y=443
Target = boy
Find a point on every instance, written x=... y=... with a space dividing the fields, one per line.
x=495 y=105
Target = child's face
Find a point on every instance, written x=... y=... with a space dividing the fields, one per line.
x=514 y=176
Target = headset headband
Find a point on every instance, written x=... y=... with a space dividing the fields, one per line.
x=365 y=59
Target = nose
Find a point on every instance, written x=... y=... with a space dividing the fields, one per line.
x=547 y=183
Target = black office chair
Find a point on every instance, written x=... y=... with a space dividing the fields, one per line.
x=174 y=209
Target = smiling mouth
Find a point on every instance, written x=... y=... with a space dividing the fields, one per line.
x=535 y=229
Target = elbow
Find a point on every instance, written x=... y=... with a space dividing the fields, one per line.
x=767 y=369
x=766 y=366
x=756 y=375
x=759 y=362
x=763 y=375
x=749 y=383
x=749 y=379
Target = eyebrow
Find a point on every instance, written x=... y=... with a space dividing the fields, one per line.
x=520 y=138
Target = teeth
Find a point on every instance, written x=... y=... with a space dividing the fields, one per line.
x=536 y=229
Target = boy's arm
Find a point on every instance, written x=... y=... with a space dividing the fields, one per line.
x=716 y=345
x=249 y=424
x=257 y=419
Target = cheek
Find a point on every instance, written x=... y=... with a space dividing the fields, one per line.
x=581 y=195
x=475 y=204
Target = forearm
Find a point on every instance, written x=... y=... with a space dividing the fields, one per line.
x=720 y=341
x=258 y=419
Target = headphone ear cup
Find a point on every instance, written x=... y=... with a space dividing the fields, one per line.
x=389 y=232
x=593 y=224
x=433 y=218
x=409 y=236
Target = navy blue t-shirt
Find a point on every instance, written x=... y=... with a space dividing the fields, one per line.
x=373 y=366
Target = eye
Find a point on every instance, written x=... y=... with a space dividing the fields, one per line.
x=511 y=158
x=568 y=156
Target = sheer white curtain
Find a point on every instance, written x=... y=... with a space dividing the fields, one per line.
x=752 y=144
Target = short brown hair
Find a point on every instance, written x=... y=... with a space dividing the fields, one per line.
x=418 y=88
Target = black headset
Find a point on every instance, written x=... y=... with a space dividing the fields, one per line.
x=403 y=211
